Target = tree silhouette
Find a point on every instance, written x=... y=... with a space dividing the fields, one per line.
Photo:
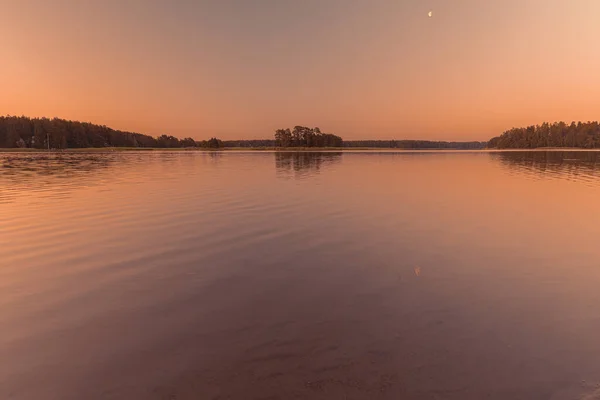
x=302 y=136
x=44 y=133
x=581 y=134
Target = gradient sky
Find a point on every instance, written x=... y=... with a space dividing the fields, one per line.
x=359 y=68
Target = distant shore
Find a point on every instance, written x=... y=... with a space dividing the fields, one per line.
x=276 y=149
x=224 y=149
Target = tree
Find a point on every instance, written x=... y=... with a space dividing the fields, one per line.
x=302 y=136
x=188 y=142
x=212 y=143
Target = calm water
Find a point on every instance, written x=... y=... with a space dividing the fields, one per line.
x=300 y=276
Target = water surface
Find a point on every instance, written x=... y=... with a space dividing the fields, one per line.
x=362 y=275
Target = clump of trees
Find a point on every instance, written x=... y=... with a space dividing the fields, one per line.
x=559 y=134
x=302 y=136
x=212 y=143
x=56 y=133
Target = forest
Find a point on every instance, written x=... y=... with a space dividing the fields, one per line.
x=56 y=133
x=45 y=133
x=559 y=134
x=415 y=144
x=302 y=136
x=380 y=144
x=250 y=143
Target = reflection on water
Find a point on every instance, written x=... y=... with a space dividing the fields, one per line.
x=52 y=173
x=203 y=275
x=303 y=164
x=53 y=163
x=571 y=165
x=58 y=174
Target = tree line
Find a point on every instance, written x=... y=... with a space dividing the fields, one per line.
x=559 y=134
x=383 y=144
x=250 y=143
x=415 y=144
x=302 y=136
x=56 y=133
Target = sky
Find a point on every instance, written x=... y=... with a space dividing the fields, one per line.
x=362 y=69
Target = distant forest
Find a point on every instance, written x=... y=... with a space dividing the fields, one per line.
x=250 y=143
x=584 y=135
x=44 y=133
x=382 y=144
x=415 y=144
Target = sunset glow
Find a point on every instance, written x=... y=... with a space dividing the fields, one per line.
x=240 y=69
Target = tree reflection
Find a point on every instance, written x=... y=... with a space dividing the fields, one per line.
x=561 y=164
x=52 y=172
x=304 y=163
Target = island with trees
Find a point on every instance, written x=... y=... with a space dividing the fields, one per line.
x=302 y=136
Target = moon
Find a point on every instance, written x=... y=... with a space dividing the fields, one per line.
x=430 y=14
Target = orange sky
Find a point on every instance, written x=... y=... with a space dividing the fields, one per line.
x=360 y=69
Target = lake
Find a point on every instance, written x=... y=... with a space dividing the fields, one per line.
x=261 y=275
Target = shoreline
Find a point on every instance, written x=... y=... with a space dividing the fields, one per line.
x=280 y=149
